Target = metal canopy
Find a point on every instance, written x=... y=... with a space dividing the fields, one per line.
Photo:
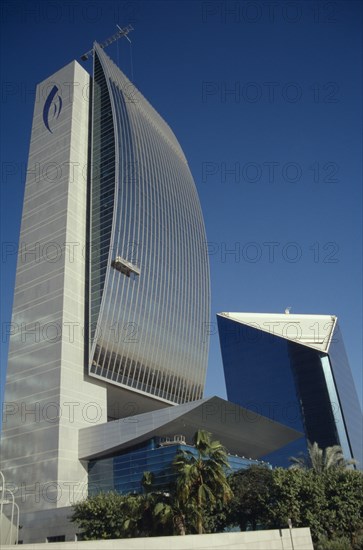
x=241 y=431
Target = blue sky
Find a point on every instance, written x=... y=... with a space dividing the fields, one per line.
x=265 y=99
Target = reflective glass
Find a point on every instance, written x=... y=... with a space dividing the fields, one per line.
x=293 y=384
x=151 y=217
x=123 y=473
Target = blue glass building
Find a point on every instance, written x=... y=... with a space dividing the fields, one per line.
x=293 y=369
x=123 y=472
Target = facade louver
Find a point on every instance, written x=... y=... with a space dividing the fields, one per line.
x=149 y=274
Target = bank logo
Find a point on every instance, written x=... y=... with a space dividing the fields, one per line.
x=52 y=107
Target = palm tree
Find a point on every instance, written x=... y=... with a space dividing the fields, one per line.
x=147 y=481
x=320 y=460
x=168 y=512
x=161 y=509
x=201 y=478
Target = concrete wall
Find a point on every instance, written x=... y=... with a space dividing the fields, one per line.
x=47 y=395
x=297 y=539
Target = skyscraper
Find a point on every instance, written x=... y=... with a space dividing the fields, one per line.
x=293 y=369
x=112 y=284
x=108 y=347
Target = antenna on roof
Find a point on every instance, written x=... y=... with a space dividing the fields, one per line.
x=119 y=34
x=122 y=30
x=131 y=62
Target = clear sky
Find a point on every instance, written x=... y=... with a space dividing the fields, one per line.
x=266 y=101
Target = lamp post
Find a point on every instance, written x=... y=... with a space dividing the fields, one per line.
x=17 y=523
x=289 y=522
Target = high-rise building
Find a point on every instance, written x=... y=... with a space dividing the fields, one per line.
x=293 y=369
x=112 y=284
x=108 y=347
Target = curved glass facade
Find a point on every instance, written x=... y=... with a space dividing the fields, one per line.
x=149 y=273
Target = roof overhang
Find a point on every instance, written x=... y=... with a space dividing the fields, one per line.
x=241 y=431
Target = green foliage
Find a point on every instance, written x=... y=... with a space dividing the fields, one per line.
x=215 y=518
x=112 y=516
x=202 y=482
x=357 y=539
x=109 y=515
x=147 y=481
x=329 y=501
x=251 y=489
x=169 y=515
x=298 y=495
x=343 y=511
x=330 y=504
x=201 y=488
x=341 y=543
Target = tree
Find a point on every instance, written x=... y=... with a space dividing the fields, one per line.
x=342 y=515
x=297 y=494
x=201 y=482
x=330 y=503
x=160 y=512
x=321 y=459
x=251 y=492
x=202 y=479
x=109 y=515
x=147 y=481
x=169 y=514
